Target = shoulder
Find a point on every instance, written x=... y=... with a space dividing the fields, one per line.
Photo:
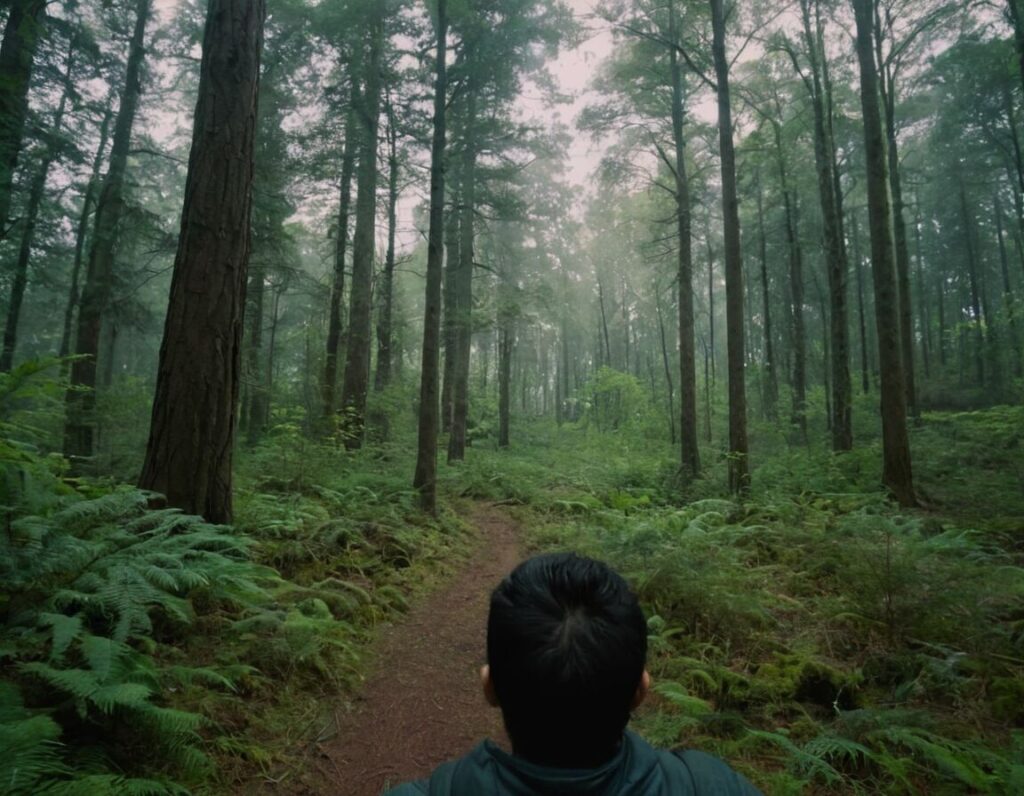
x=709 y=776
x=409 y=789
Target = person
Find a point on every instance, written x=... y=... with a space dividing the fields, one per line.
x=566 y=658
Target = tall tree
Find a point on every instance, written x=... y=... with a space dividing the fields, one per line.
x=191 y=438
x=99 y=277
x=357 y=354
x=425 y=478
x=22 y=34
x=28 y=226
x=897 y=472
x=739 y=472
x=385 y=332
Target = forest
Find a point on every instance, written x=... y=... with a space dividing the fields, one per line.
x=319 y=314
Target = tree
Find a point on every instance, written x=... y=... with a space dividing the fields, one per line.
x=80 y=400
x=357 y=354
x=425 y=478
x=22 y=34
x=897 y=473
x=739 y=473
x=191 y=440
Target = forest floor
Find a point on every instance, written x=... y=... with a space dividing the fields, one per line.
x=422 y=704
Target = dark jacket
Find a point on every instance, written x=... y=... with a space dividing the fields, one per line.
x=638 y=769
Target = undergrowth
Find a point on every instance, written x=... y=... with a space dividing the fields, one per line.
x=814 y=635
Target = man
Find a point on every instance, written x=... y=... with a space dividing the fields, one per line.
x=566 y=650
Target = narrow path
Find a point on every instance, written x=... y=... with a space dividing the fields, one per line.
x=423 y=704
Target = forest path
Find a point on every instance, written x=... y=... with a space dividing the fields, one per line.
x=422 y=704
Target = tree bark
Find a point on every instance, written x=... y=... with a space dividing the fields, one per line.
x=334 y=322
x=464 y=288
x=977 y=309
x=191 y=440
x=81 y=398
x=841 y=421
x=24 y=30
x=688 y=442
x=739 y=472
x=357 y=354
x=425 y=479
x=451 y=269
x=771 y=388
x=858 y=264
x=382 y=376
x=897 y=472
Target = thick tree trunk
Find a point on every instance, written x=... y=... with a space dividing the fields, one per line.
x=897 y=473
x=357 y=354
x=464 y=289
x=81 y=233
x=22 y=34
x=28 y=227
x=334 y=322
x=425 y=479
x=191 y=438
x=81 y=399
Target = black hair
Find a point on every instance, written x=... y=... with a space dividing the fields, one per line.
x=566 y=645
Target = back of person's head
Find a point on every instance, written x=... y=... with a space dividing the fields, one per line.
x=566 y=646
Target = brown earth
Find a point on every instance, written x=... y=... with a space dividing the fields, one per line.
x=423 y=704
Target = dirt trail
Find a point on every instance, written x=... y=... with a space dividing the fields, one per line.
x=422 y=705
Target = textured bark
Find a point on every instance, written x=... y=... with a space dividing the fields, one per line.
x=82 y=232
x=28 y=225
x=688 y=443
x=382 y=375
x=360 y=325
x=334 y=322
x=191 y=438
x=81 y=399
x=739 y=473
x=840 y=421
x=22 y=34
x=897 y=473
x=425 y=479
x=464 y=289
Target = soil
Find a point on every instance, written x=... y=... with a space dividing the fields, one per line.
x=423 y=705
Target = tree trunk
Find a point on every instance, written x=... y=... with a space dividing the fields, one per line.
x=771 y=387
x=425 y=479
x=384 y=331
x=1009 y=300
x=451 y=269
x=1018 y=33
x=81 y=232
x=357 y=353
x=506 y=343
x=840 y=422
x=334 y=322
x=464 y=289
x=81 y=399
x=858 y=264
x=256 y=410
x=739 y=473
x=977 y=311
x=897 y=473
x=668 y=374
x=191 y=438
x=923 y=315
x=688 y=443
x=28 y=229
x=22 y=34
